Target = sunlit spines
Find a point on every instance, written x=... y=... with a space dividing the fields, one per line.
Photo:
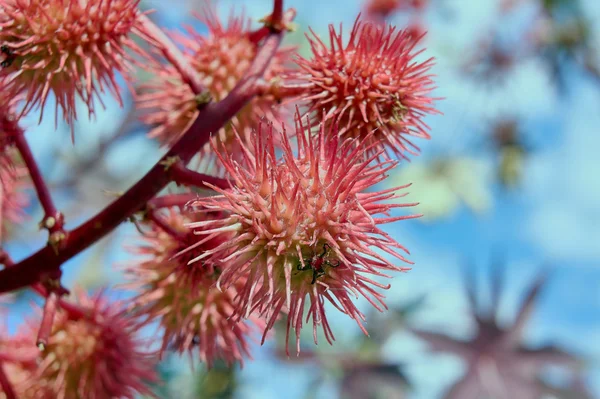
x=95 y=355
x=373 y=83
x=70 y=48
x=301 y=227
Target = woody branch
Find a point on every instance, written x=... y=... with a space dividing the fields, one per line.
x=213 y=116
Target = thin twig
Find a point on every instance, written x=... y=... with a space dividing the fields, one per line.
x=182 y=175
x=276 y=22
x=162 y=224
x=173 y=55
x=171 y=200
x=47 y=320
x=53 y=219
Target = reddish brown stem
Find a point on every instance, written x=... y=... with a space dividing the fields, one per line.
x=47 y=320
x=212 y=118
x=259 y=34
x=170 y=200
x=277 y=15
x=162 y=224
x=74 y=311
x=182 y=175
x=277 y=22
x=7 y=387
x=173 y=55
x=53 y=219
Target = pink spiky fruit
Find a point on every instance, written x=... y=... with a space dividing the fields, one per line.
x=221 y=59
x=73 y=49
x=302 y=228
x=94 y=355
x=373 y=87
x=194 y=316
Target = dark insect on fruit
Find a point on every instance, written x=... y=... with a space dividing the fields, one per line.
x=8 y=55
x=317 y=264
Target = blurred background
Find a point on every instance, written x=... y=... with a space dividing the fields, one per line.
x=504 y=297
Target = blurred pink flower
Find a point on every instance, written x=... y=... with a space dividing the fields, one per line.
x=94 y=356
x=17 y=356
x=193 y=313
x=18 y=362
x=383 y=8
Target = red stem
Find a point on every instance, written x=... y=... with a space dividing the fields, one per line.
x=170 y=200
x=7 y=387
x=212 y=118
x=277 y=15
x=74 y=311
x=173 y=55
x=277 y=22
x=182 y=175
x=162 y=224
x=47 y=320
x=43 y=193
x=257 y=35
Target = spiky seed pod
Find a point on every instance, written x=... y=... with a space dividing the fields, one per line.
x=303 y=229
x=497 y=348
x=95 y=356
x=373 y=84
x=71 y=48
x=193 y=313
x=221 y=59
x=18 y=361
x=17 y=376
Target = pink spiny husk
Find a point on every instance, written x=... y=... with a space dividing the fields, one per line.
x=299 y=226
x=94 y=356
x=220 y=58
x=70 y=48
x=18 y=360
x=372 y=85
x=177 y=289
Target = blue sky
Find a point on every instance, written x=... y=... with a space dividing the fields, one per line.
x=553 y=220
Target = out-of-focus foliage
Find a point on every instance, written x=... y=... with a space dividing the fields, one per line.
x=443 y=185
x=498 y=364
